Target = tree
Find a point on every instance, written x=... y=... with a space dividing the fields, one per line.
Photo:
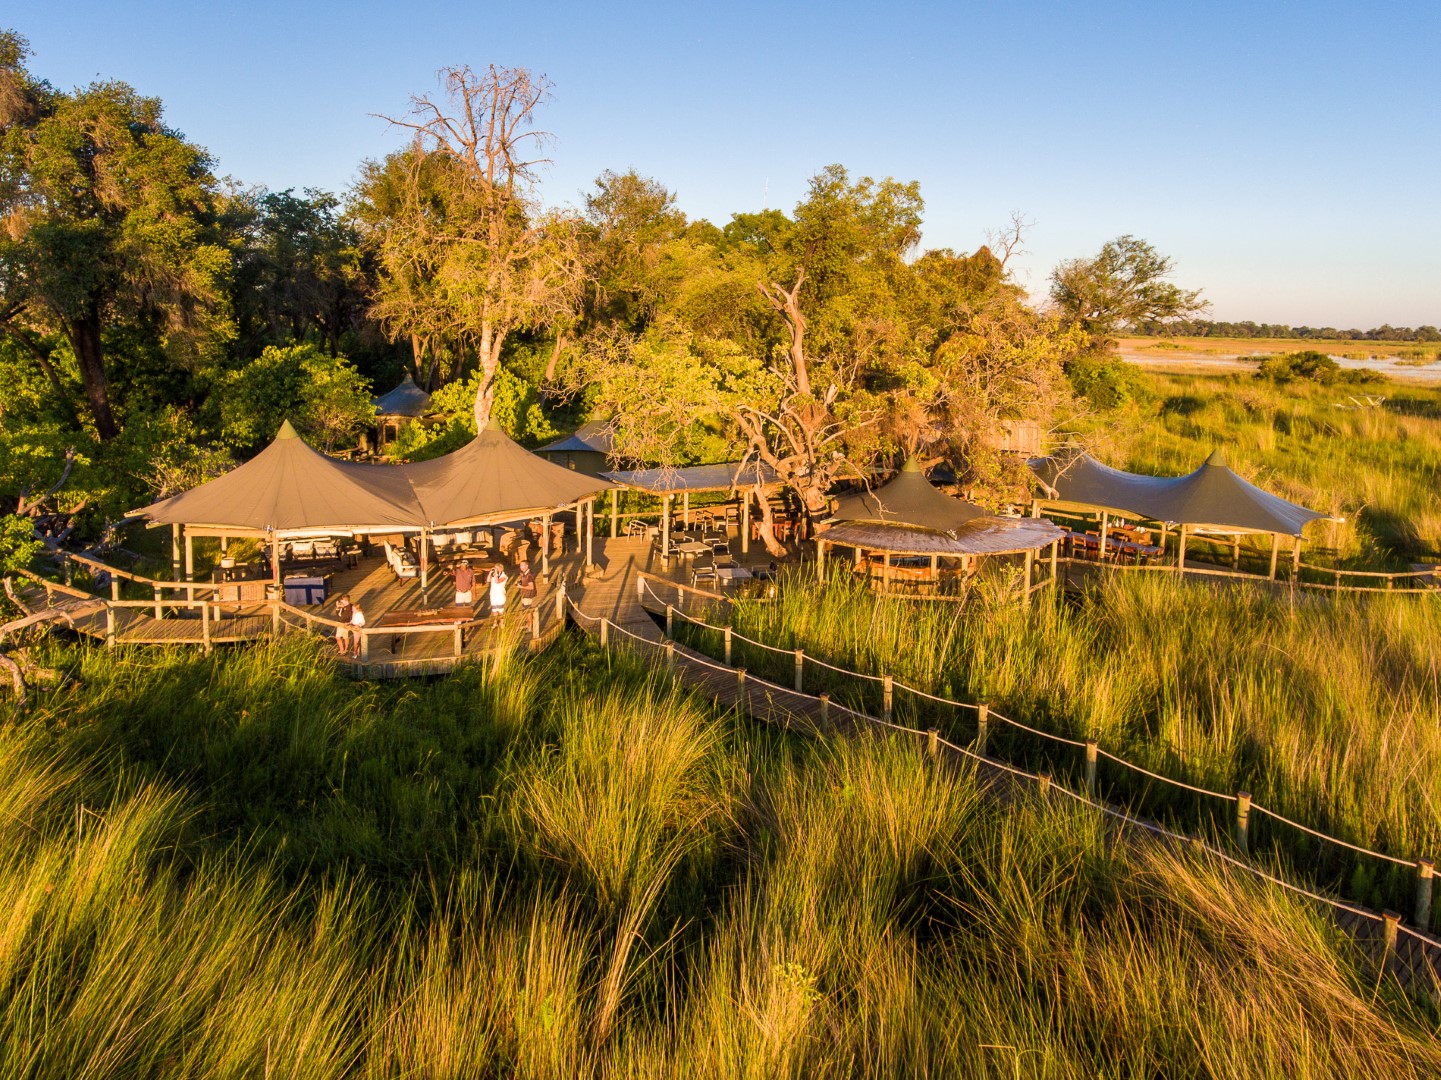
x=322 y=395
x=109 y=218
x=1123 y=284
x=466 y=253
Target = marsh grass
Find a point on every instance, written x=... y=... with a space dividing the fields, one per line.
x=1327 y=710
x=565 y=867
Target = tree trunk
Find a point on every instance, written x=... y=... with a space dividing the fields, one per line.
x=490 y=342
x=551 y=365
x=90 y=356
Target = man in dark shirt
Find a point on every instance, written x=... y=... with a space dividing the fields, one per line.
x=525 y=584
x=464 y=584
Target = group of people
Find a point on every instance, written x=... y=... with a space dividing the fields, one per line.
x=349 y=614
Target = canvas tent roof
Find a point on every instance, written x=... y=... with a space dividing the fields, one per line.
x=290 y=487
x=407 y=399
x=907 y=515
x=591 y=437
x=721 y=477
x=907 y=499
x=491 y=476
x=1213 y=495
x=979 y=536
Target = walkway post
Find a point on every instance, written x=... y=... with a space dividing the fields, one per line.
x=821 y=561
x=1105 y=527
x=800 y=671
x=189 y=565
x=614 y=512
x=1092 y=752
x=560 y=601
x=175 y=550
x=545 y=544
x=1275 y=551
x=728 y=646
x=1425 y=872
x=685 y=508
x=589 y=532
x=888 y=693
x=424 y=565
x=1243 y=820
x=205 y=627
x=1055 y=550
x=745 y=522
x=1030 y=572
x=604 y=631
x=983 y=720
x=665 y=526
x=1181 y=552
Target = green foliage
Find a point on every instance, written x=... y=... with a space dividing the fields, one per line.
x=1307 y=364
x=19 y=546
x=516 y=409
x=1124 y=283
x=1106 y=382
x=322 y=395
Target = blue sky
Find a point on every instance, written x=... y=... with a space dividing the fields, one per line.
x=1286 y=154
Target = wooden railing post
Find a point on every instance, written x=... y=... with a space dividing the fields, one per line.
x=670 y=657
x=560 y=601
x=458 y=641
x=800 y=671
x=670 y=620
x=1425 y=873
x=275 y=618
x=983 y=723
x=1092 y=752
x=364 y=643
x=1390 y=922
x=158 y=612
x=109 y=627
x=741 y=691
x=728 y=645
x=114 y=587
x=1243 y=821
x=1043 y=785
x=205 y=626
x=888 y=693
x=535 y=623
x=604 y=631
x=933 y=743
x=825 y=700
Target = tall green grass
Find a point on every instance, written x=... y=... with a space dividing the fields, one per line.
x=1326 y=710
x=564 y=867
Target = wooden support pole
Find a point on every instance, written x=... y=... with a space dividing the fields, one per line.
x=458 y=642
x=1390 y=923
x=205 y=627
x=670 y=620
x=159 y=612
x=825 y=700
x=1181 y=551
x=685 y=509
x=189 y=561
x=535 y=623
x=1243 y=821
x=933 y=743
x=604 y=632
x=114 y=587
x=745 y=522
x=741 y=691
x=1030 y=572
x=1105 y=527
x=1295 y=558
x=275 y=618
x=1236 y=552
x=545 y=545
x=614 y=512
x=1055 y=557
x=1425 y=874
x=424 y=564
x=1043 y=785
x=821 y=561
x=670 y=657
x=800 y=671
x=935 y=569
x=665 y=526
x=589 y=533
x=983 y=723
x=364 y=644
x=560 y=602
x=727 y=635
x=175 y=551
x=109 y=627
x=885 y=571
x=1275 y=552
x=1092 y=753
x=888 y=696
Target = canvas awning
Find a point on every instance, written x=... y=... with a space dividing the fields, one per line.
x=723 y=477
x=909 y=516
x=493 y=478
x=407 y=400
x=290 y=487
x=1211 y=497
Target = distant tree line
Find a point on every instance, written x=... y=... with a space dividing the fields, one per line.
x=1247 y=329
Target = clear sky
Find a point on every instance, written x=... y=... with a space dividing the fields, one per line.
x=1286 y=154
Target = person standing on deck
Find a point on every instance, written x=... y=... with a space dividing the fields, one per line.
x=497 y=580
x=343 y=608
x=525 y=584
x=464 y=584
x=357 y=623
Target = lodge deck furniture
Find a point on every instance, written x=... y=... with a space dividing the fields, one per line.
x=442 y=618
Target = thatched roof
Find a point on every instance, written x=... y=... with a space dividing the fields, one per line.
x=407 y=400
x=908 y=499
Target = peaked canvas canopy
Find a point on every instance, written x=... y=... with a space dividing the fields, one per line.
x=493 y=478
x=407 y=399
x=1212 y=496
x=908 y=516
x=290 y=488
x=907 y=499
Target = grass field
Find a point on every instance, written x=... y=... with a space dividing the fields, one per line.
x=244 y=865
x=1224 y=346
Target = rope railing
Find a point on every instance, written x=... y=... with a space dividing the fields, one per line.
x=1240 y=801
x=1204 y=570
x=1390 y=922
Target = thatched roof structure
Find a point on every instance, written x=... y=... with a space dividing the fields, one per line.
x=406 y=401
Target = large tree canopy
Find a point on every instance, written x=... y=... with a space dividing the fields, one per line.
x=109 y=218
x=1123 y=284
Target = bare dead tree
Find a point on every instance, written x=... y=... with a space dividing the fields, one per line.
x=1005 y=242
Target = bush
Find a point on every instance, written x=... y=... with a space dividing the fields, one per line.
x=1106 y=382
x=1308 y=364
